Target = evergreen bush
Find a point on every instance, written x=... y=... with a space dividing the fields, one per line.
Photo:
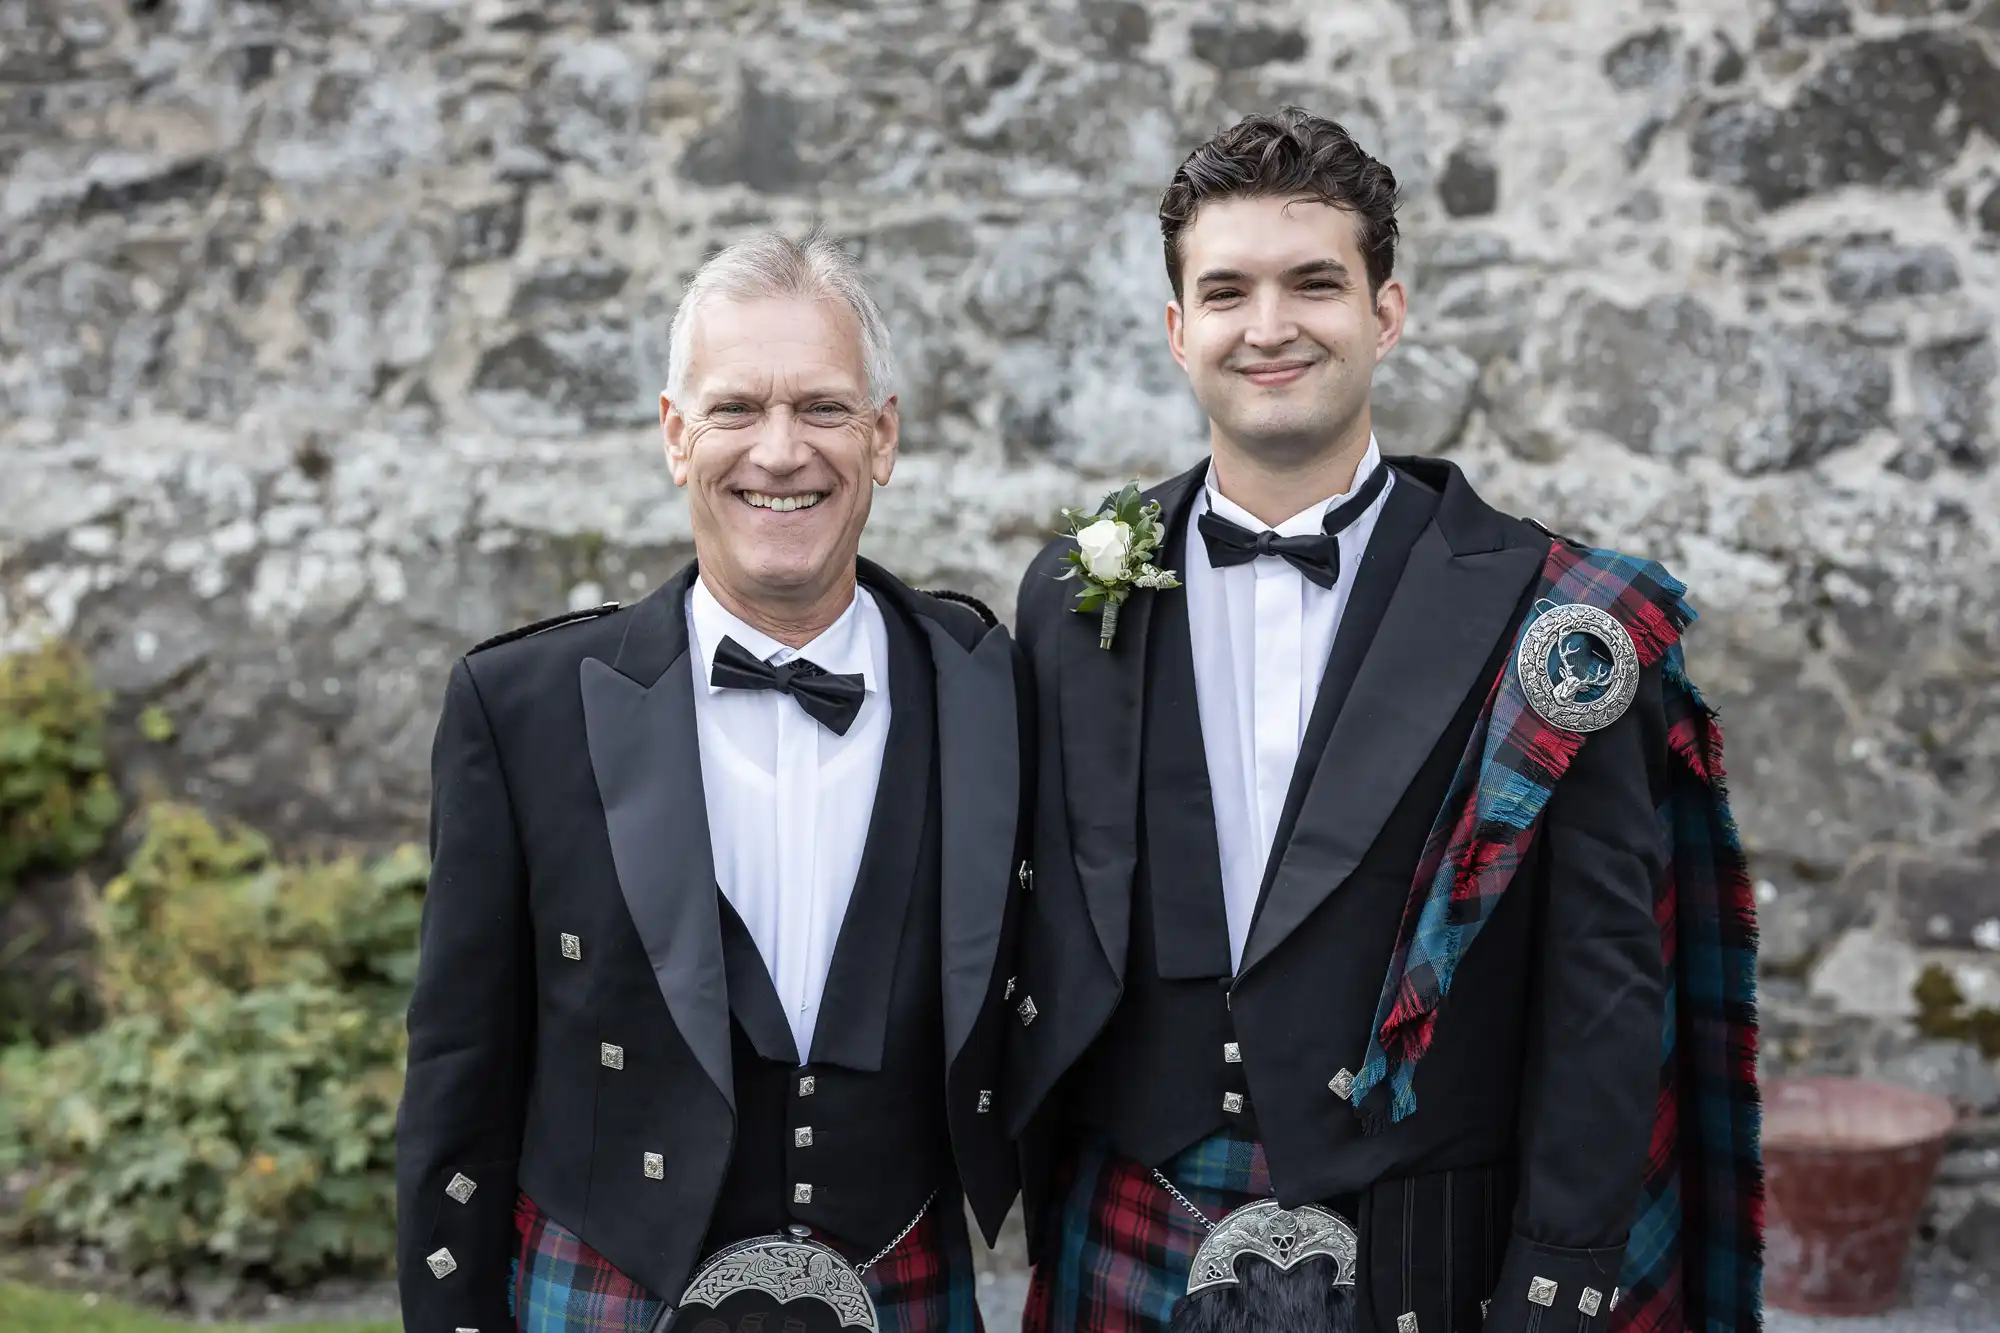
x=236 y=1113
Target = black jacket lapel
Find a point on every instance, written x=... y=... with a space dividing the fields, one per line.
x=979 y=795
x=854 y=1008
x=639 y=716
x=1183 y=859
x=1459 y=592
x=1102 y=701
x=753 y=998
x=1405 y=515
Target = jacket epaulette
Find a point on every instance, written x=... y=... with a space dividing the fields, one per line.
x=965 y=599
x=1555 y=536
x=553 y=622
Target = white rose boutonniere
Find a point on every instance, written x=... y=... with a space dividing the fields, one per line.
x=1114 y=555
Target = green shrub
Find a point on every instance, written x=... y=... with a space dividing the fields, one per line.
x=236 y=1113
x=57 y=804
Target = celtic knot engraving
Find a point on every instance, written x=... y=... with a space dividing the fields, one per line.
x=785 y=1270
x=1284 y=1237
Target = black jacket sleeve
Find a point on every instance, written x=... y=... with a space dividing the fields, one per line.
x=1593 y=1060
x=458 y=1130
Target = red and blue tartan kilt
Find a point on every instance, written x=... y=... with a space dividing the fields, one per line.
x=560 y=1285
x=1121 y=1247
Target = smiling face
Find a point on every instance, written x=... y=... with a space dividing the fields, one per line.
x=1277 y=330
x=779 y=448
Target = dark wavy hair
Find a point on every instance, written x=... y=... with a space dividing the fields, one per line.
x=1289 y=153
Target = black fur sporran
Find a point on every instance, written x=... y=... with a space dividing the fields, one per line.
x=1270 y=1299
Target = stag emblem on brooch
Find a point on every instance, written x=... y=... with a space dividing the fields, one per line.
x=1578 y=667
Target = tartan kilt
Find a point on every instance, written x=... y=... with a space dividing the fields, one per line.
x=1120 y=1247
x=560 y=1285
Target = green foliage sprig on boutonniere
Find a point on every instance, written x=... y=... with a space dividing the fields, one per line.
x=1113 y=555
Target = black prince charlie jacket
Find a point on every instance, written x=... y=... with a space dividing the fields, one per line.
x=575 y=1033
x=1524 y=1158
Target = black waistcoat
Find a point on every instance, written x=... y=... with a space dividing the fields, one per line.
x=1164 y=1073
x=851 y=1142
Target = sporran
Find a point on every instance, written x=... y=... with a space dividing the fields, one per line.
x=1267 y=1269
x=779 y=1284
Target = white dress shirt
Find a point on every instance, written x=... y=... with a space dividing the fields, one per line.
x=788 y=801
x=1261 y=633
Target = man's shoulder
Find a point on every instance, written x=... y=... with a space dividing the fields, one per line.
x=963 y=616
x=553 y=642
x=545 y=626
x=959 y=614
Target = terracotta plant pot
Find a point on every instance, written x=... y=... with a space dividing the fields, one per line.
x=1847 y=1165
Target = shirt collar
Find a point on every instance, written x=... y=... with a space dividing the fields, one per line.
x=842 y=648
x=1303 y=523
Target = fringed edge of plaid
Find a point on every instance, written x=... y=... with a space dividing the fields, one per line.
x=1481 y=836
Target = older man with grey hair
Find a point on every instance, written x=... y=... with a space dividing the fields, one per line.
x=713 y=975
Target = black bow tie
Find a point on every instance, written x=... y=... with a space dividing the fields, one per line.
x=1315 y=555
x=832 y=701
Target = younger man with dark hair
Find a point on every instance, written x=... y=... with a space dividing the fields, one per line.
x=1381 y=860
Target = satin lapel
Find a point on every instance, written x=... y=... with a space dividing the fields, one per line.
x=639 y=716
x=1455 y=598
x=979 y=778
x=753 y=999
x=1405 y=515
x=1102 y=704
x=854 y=1009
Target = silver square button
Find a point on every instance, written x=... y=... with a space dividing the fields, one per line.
x=1342 y=1085
x=802 y=1137
x=611 y=1057
x=442 y=1264
x=1027 y=1010
x=802 y=1194
x=1407 y=1323
x=461 y=1187
x=808 y=1085
x=1590 y=1301
x=1232 y=1102
x=656 y=1166
x=1232 y=1053
x=572 y=948
x=1542 y=1292
x=985 y=1100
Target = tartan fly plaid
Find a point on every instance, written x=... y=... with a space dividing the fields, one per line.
x=1694 y=1259
x=561 y=1285
x=1124 y=1246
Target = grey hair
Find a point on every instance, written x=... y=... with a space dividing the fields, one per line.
x=771 y=264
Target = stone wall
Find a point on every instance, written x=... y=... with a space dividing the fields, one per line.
x=330 y=335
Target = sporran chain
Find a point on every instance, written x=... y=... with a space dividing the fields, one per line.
x=900 y=1235
x=1168 y=1186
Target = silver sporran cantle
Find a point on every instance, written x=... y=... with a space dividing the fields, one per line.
x=1305 y=1282
x=808 y=1283
x=1286 y=1237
